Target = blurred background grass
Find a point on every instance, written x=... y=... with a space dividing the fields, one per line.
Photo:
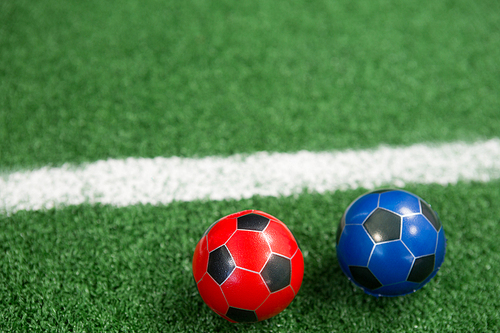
x=89 y=80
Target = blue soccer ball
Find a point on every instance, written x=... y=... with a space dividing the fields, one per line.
x=390 y=242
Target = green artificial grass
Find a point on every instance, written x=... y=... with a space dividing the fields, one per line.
x=82 y=81
x=129 y=269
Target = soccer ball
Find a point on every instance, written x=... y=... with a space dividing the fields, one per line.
x=390 y=242
x=247 y=266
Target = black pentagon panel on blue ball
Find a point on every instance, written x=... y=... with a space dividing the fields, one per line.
x=422 y=268
x=220 y=264
x=277 y=272
x=252 y=221
x=241 y=316
x=382 y=191
x=430 y=215
x=340 y=228
x=383 y=226
x=364 y=277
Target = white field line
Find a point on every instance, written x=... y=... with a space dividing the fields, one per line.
x=163 y=180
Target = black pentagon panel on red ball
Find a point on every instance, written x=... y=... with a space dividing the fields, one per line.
x=364 y=277
x=241 y=315
x=430 y=215
x=383 y=226
x=422 y=268
x=252 y=221
x=220 y=264
x=277 y=272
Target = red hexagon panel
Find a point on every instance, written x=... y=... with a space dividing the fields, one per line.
x=249 y=249
x=220 y=233
x=245 y=290
x=280 y=239
x=297 y=271
x=275 y=303
x=200 y=259
x=212 y=294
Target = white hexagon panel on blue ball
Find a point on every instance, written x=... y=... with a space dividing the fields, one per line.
x=361 y=208
x=400 y=202
x=419 y=235
x=358 y=255
x=391 y=262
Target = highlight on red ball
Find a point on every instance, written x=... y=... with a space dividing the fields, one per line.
x=248 y=266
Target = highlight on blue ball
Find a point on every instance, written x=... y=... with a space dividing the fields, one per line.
x=390 y=242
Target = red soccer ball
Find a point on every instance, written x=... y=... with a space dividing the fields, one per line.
x=248 y=266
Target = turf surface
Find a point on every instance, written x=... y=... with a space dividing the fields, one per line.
x=106 y=269
x=83 y=81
